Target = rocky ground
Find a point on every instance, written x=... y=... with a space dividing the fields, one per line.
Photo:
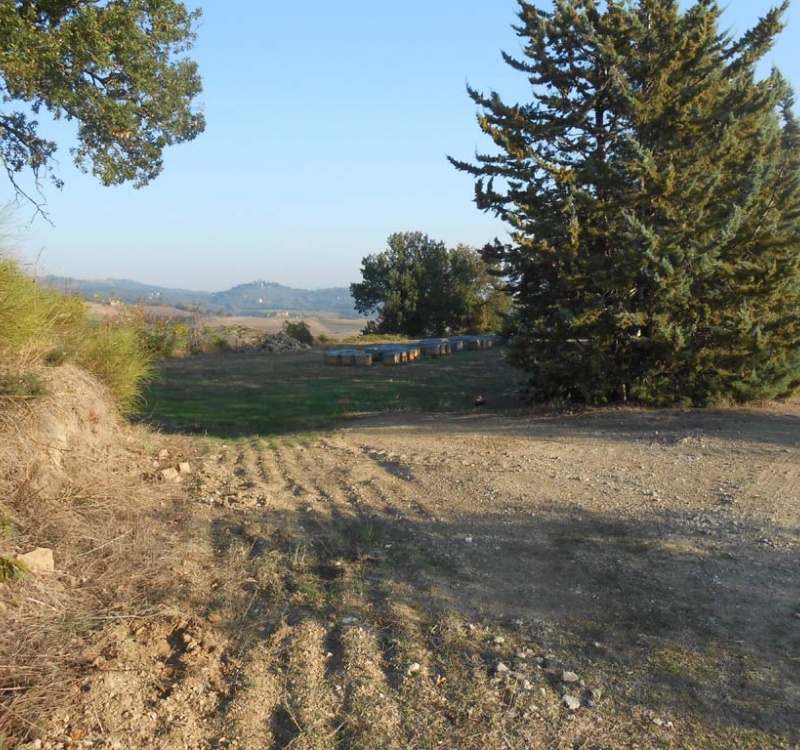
x=608 y=579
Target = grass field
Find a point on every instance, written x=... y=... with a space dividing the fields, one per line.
x=237 y=394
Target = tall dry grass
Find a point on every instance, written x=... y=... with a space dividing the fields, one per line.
x=41 y=327
x=110 y=533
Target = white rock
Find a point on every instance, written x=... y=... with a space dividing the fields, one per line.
x=571 y=702
x=184 y=467
x=39 y=560
x=569 y=677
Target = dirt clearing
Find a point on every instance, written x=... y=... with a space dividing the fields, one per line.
x=607 y=579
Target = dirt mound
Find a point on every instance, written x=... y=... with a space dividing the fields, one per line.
x=280 y=342
x=78 y=482
x=49 y=442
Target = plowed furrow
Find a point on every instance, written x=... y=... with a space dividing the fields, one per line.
x=326 y=472
x=307 y=716
x=249 y=474
x=258 y=693
x=372 y=714
x=295 y=484
x=262 y=465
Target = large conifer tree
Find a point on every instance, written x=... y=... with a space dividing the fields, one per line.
x=652 y=186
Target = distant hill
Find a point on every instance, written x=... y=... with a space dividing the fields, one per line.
x=256 y=298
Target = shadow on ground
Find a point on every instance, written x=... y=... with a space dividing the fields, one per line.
x=692 y=619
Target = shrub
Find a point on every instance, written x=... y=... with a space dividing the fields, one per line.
x=299 y=330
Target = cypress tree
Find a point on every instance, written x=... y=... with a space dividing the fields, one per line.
x=652 y=187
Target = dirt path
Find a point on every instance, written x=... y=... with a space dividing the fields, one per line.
x=615 y=579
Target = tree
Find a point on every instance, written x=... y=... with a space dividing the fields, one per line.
x=652 y=188
x=299 y=330
x=113 y=66
x=419 y=287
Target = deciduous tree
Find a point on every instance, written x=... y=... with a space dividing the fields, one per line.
x=652 y=188
x=419 y=287
x=115 y=67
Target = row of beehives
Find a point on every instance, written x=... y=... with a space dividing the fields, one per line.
x=399 y=354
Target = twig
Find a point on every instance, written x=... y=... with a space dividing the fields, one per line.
x=110 y=541
x=43 y=604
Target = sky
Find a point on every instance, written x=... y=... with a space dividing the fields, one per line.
x=328 y=129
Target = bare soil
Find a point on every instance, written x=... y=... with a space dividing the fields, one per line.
x=618 y=578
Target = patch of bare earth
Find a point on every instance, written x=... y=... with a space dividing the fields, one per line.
x=609 y=579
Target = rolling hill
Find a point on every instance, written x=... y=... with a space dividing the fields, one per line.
x=261 y=298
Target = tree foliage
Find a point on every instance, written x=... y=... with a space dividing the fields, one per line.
x=419 y=287
x=115 y=67
x=299 y=330
x=652 y=189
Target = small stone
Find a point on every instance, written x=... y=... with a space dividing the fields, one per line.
x=502 y=668
x=499 y=640
x=214 y=617
x=413 y=669
x=571 y=702
x=163 y=453
x=569 y=677
x=39 y=560
x=170 y=475
x=184 y=467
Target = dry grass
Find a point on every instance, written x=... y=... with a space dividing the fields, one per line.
x=70 y=482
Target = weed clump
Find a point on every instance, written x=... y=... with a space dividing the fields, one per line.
x=12 y=570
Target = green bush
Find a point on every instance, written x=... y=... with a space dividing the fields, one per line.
x=299 y=330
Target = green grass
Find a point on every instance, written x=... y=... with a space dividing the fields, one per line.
x=236 y=394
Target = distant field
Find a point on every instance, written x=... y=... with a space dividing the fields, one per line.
x=332 y=327
x=258 y=394
x=320 y=324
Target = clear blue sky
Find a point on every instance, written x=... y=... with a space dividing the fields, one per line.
x=328 y=129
